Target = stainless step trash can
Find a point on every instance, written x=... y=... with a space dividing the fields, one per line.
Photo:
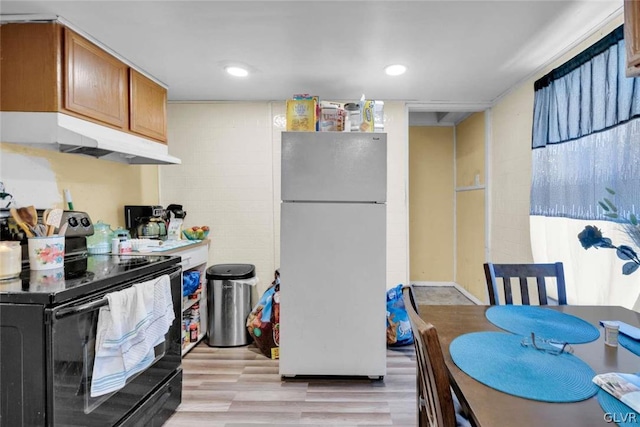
x=229 y=303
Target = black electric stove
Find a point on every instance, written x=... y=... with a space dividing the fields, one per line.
x=48 y=329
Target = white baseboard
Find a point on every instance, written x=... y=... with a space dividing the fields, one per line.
x=433 y=283
x=462 y=290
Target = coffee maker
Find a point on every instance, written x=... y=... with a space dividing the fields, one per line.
x=145 y=221
x=174 y=215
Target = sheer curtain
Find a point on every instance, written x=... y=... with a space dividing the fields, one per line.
x=586 y=138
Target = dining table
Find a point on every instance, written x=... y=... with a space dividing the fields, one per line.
x=488 y=407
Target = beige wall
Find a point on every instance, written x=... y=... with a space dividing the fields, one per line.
x=230 y=180
x=510 y=181
x=99 y=187
x=225 y=180
x=470 y=242
x=397 y=128
x=470 y=204
x=510 y=159
x=431 y=184
x=446 y=205
x=470 y=159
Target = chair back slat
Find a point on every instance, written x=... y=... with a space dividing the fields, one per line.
x=508 y=294
x=542 y=290
x=432 y=373
x=524 y=290
x=496 y=273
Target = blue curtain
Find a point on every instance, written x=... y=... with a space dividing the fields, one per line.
x=586 y=133
x=585 y=139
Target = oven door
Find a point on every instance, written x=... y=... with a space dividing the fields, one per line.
x=70 y=357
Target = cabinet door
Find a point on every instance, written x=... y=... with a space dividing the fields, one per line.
x=148 y=103
x=632 y=36
x=30 y=64
x=95 y=82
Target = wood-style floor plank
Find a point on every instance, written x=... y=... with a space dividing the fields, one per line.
x=239 y=387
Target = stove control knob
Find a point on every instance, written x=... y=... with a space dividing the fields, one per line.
x=85 y=222
x=73 y=222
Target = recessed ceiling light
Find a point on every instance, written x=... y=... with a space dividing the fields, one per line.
x=237 y=71
x=395 y=70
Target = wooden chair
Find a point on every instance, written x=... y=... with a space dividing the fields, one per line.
x=435 y=401
x=523 y=271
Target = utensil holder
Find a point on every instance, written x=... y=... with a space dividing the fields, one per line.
x=46 y=252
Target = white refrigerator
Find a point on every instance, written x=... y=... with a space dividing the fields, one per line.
x=333 y=254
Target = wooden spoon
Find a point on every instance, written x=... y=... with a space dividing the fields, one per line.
x=28 y=219
x=34 y=215
x=16 y=217
x=45 y=217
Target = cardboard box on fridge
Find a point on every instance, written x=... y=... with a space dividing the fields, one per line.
x=332 y=116
x=302 y=115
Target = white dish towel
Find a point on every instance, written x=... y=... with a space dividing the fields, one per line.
x=129 y=327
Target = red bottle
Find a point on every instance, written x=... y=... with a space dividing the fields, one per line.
x=193 y=332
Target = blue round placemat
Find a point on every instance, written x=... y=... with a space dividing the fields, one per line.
x=498 y=360
x=617 y=411
x=630 y=344
x=544 y=322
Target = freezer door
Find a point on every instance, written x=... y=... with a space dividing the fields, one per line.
x=333 y=289
x=334 y=166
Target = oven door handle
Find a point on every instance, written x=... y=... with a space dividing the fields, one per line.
x=90 y=306
x=78 y=309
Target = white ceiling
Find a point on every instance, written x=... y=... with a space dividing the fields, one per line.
x=461 y=55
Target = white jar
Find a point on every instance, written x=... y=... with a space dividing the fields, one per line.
x=10 y=259
x=115 y=245
x=611 y=333
x=355 y=117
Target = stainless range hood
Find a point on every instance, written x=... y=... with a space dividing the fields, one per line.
x=68 y=134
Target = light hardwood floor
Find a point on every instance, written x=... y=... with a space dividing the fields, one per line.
x=235 y=387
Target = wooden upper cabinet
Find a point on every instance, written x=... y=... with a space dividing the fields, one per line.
x=632 y=36
x=29 y=67
x=95 y=83
x=46 y=67
x=148 y=107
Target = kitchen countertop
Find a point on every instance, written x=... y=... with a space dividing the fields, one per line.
x=166 y=249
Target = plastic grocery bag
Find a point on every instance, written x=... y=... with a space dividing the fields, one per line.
x=398 y=324
x=263 y=322
x=190 y=282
